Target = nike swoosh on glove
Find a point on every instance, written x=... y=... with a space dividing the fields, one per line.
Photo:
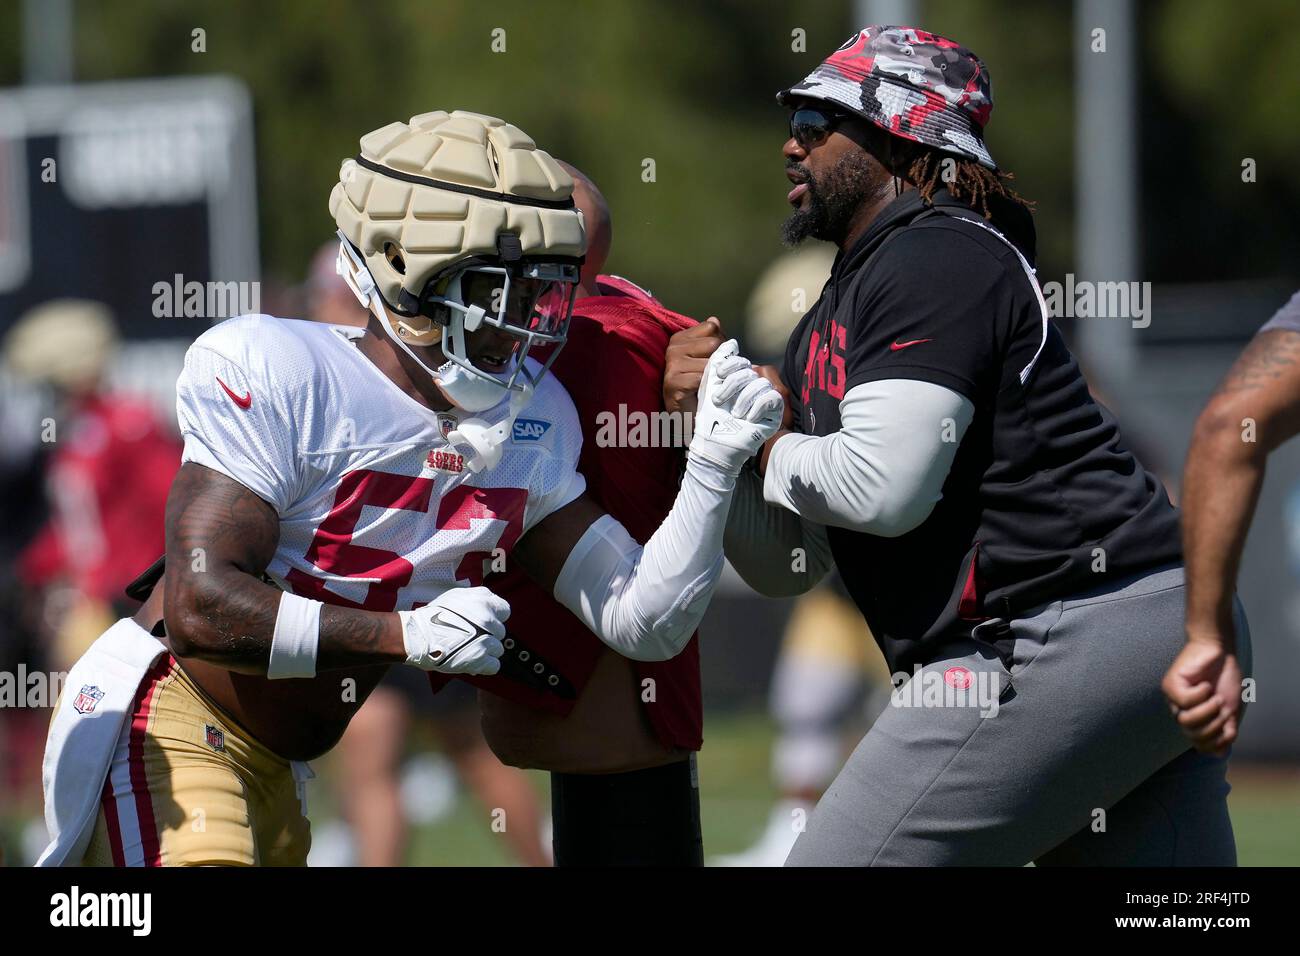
x=738 y=410
x=459 y=633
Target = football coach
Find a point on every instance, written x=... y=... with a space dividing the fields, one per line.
x=1020 y=568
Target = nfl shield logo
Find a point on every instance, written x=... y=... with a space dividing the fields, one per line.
x=446 y=424
x=216 y=738
x=87 y=699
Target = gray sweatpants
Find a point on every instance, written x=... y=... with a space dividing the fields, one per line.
x=1069 y=757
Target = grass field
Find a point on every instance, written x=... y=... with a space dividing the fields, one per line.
x=736 y=795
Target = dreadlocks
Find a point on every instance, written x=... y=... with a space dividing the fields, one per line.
x=965 y=179
x=930 y=170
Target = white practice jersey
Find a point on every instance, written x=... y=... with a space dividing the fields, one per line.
x=376 y=509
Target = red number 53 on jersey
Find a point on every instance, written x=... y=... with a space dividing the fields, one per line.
x=333 y=552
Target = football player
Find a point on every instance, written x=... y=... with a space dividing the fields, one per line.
x=372 y=775
x=368 y=477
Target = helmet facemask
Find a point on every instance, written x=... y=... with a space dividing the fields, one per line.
x=530 y=300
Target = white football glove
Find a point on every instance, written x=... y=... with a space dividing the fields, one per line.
x=459 y=633
x=738 y=410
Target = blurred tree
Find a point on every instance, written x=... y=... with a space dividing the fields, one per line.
x=611 y=87
x=1219 y=91
x=689 y=86
x=1031 y=131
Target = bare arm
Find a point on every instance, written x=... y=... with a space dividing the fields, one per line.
x=544 y=549
x=1225 y=469
x=220 y=538
x=1256 y=409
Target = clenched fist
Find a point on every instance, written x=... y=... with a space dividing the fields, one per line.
x=738 y=410
x=1203 y=687
x=459 y=633
x=688 y=353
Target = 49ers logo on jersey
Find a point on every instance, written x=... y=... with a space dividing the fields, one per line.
x=442 y=460
x=824 y=370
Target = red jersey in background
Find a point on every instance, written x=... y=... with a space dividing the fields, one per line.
x=108 y=478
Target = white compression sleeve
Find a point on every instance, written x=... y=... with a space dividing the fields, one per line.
x=646 y=602
x=776 y=552
x=884 y=470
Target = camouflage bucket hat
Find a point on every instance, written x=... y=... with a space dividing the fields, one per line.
x=911 y=83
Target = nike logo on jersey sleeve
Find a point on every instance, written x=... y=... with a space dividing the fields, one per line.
x=241 y=402
x=896 y=346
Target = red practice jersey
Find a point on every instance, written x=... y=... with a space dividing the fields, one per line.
x=108 y=482
x=613 y=368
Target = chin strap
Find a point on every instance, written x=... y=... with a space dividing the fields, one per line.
x=355 y=274
x=486 y=442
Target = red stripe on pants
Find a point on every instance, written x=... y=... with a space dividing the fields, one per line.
x=110 y=819
x=144 y=702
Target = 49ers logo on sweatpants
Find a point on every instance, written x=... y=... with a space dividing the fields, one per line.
x=958 y=677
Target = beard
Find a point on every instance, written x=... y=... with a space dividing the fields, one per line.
x=834 y=198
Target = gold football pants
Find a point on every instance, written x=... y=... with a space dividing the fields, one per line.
x=190 y=787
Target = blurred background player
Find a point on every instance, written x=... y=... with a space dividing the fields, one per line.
x=618 y=736
x=107 y=477
x=828 y=684
x=109 y=463
x=370 y=757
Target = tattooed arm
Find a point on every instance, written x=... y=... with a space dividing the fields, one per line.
x=217 y=610
x=1254 y=410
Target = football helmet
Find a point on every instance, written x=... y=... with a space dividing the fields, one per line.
x=454 y=221
x=67 y=343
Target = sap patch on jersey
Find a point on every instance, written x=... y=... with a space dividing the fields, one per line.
x=529 y=429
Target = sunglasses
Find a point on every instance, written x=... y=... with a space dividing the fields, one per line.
x=810 y=125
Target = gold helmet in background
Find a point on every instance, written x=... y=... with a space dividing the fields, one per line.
x=785 y=290
x=65 y=342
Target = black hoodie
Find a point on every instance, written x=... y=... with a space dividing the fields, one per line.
x=1043 y=500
